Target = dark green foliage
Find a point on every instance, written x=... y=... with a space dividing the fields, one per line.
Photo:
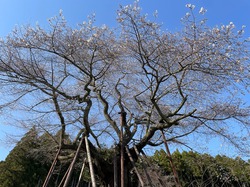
x=204 y=170
x=27 y=165
x=20 y=168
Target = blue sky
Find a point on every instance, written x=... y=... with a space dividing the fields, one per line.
x=22 y=12
x=16 y=12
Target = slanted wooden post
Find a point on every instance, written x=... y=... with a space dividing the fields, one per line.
x=64 y=176
x=80 y=176
x=72 y=164
x=144 y=167
x=46 y=182
x=91 y=168
x=171 y=161
x=134 y=167
x=149 y=164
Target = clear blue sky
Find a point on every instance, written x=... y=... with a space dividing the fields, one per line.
x=22 y=12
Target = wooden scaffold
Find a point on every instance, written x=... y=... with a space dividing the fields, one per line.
x=68 y=174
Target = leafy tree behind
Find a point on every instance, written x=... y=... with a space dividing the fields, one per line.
x=20 y=167
x=204 y=170
x=23 y=166
x=27 y=165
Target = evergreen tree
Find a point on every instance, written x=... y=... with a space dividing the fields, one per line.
x=204 y=170
x=20 y=167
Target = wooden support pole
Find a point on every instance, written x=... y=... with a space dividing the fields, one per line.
x=149 y=164
x=80 y=176
x=134 y=167
x=64 y=176
x=115 y=170
x=72 y=164
x=91 y=168
x=171 y=160
x=144 y=167
x=122 y=121
x=46 y=182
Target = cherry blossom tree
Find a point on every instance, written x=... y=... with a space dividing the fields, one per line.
x=92 y=79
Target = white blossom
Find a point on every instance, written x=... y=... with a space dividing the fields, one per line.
x=136 y=7
x=60 y=12
x=156 y=13
x=104 y=27
x=222 y=27
x=202 y=11
x=190 y=6
x=230 y=26
x=202 y=22
x=127 y=7
x=90 y=39
x=187 y=14
x=241 y=68
x=241 y=31
x=216 y=31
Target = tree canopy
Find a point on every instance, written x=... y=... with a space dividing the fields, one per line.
x=85 y=79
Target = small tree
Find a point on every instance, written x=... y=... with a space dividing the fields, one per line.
x=79 y=79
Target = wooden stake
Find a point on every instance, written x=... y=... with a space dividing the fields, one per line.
x=72 y=164
x=91 y=168
x=46 y=182
x=144 y=167
x=115 y=170
x=64 y=176
x=122 y=121
x=149 y=164
x=80 y=176
x=171 y=160
x=133 y=163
